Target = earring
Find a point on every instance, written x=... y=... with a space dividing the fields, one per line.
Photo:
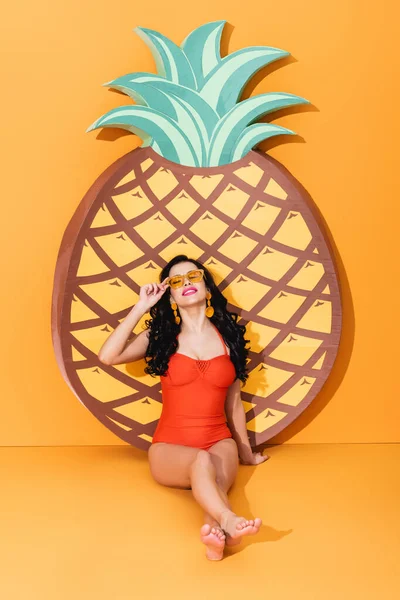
x=174 y=307
x=209 y=309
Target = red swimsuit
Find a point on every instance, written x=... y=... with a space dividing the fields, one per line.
x=194 y=393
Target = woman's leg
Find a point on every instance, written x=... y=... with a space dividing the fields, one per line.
x=188 y=468
x=170 y=465
x=224 y=455
x=204 y=486
x=208 y=494
x=191 y=468
x=208 y=518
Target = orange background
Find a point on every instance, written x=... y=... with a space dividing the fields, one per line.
x=54 y=59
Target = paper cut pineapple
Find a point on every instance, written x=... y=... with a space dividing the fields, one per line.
x=197 y=187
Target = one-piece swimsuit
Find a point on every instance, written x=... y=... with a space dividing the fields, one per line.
x=193 y=395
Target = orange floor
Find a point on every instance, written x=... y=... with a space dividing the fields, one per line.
x=90 y=523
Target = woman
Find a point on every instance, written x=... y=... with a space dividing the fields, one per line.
x=193 y=447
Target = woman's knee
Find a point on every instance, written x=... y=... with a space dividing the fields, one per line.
x=202 y=460
x=226 y=462
x=205 y=460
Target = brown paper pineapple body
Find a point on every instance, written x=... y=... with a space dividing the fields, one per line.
x=235 y=209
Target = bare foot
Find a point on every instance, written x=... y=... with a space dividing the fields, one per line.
x=230 y=541
x=235 y=527
x=214 y=539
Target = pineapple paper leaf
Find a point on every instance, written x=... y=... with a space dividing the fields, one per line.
x=188 y=121
x=171 y=61
x=144 y=122
x=224 y=85
x=146 y=95
x=240 y=116
x=155 y=147
x=207 y=116
x=185 y=117
x=202 y=48
x=253 y=135
x=190 y=112
x=138 y=76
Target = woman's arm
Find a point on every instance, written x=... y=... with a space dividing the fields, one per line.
x=236 y=419
x=116 y=350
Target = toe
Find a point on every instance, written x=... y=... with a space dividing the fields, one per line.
x=205 y=530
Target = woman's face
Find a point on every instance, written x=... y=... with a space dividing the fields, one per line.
x=190 y=293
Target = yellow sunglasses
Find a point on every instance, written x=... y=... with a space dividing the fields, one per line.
x=194 y=276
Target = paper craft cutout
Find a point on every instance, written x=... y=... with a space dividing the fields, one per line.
x=198 y=187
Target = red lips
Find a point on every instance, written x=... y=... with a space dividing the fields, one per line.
x=188 y=290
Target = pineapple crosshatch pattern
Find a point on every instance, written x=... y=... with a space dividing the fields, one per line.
x=197 y=187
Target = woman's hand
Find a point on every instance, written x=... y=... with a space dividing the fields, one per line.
x=150 y=294
x=255 y=458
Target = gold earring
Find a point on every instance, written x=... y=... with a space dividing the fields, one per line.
x=209 y=309
x=174 y=307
